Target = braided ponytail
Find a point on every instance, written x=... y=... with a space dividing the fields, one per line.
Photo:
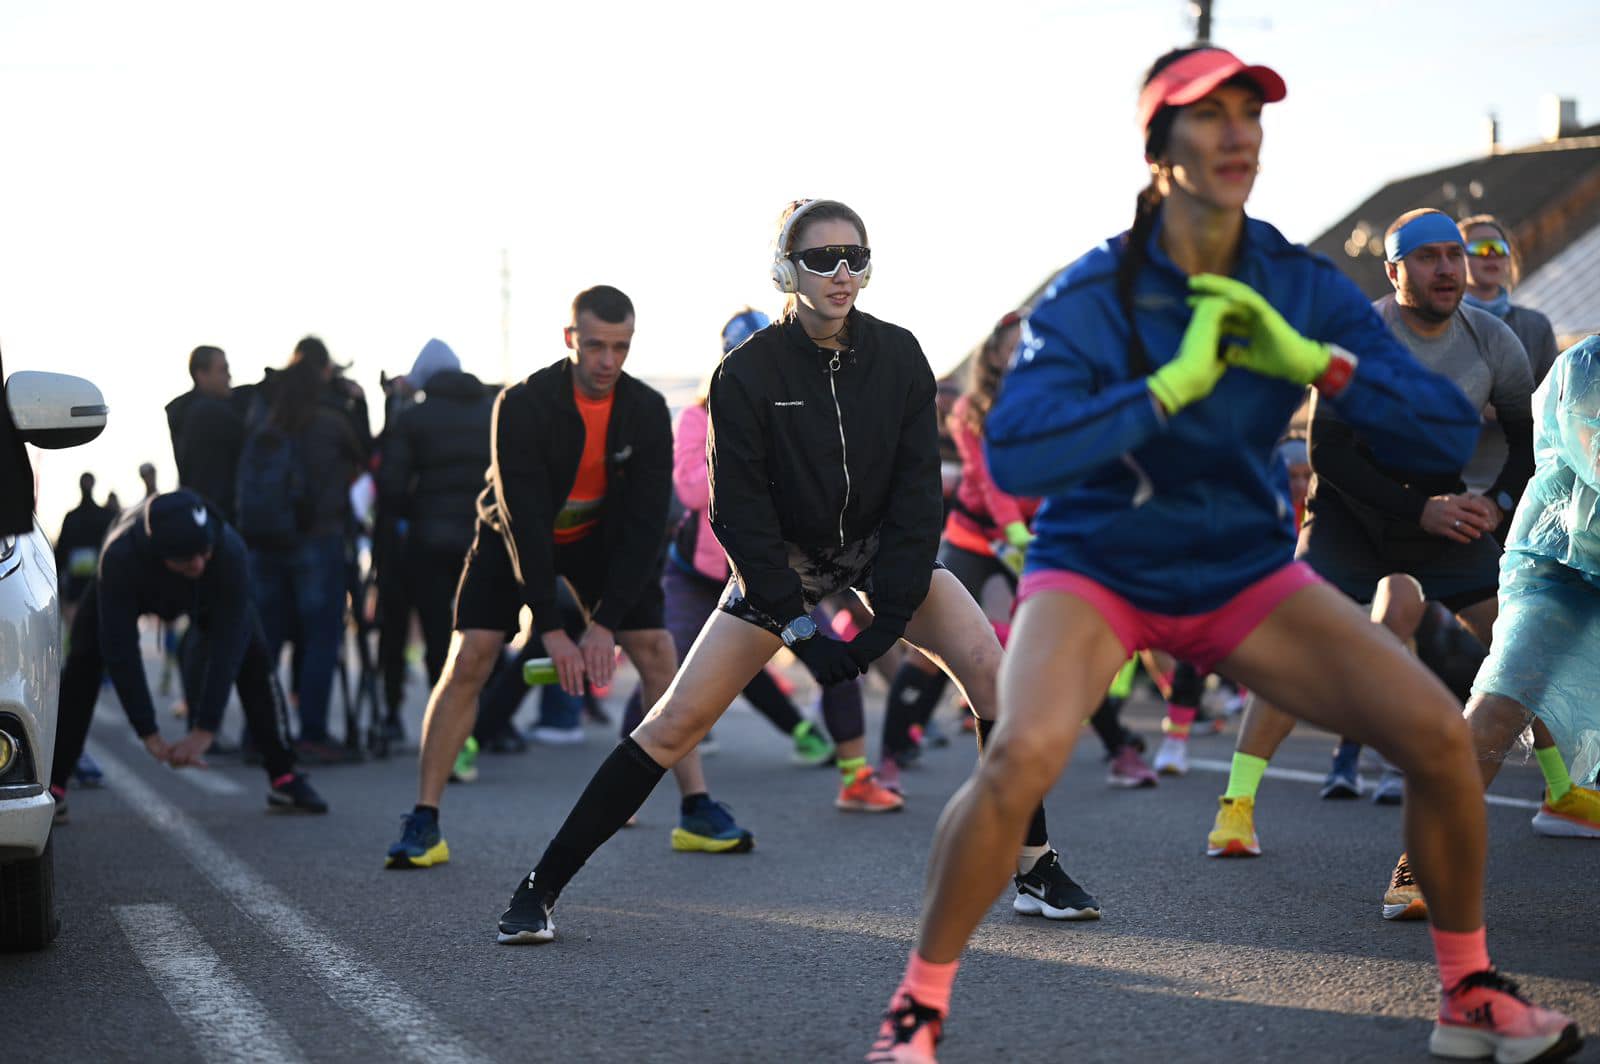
x=1133 y=256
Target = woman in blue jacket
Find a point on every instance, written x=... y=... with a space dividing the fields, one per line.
x=1152 y=385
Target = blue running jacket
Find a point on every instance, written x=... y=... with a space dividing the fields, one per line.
x=1179 y=514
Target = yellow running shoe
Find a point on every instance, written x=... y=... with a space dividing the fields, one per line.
x=1234 y=833
x=1403 y=900
x=1575 y=816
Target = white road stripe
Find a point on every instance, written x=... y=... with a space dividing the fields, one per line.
x=389 y=1012
x=1295 y=775
x=225 y=1021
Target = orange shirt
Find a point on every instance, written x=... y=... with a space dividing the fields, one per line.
x=581 y=514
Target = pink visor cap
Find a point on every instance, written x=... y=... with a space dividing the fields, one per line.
x=1195 y=75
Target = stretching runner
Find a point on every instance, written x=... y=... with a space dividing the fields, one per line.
x=824 y=476
x=579 y=481
x=1156 y=376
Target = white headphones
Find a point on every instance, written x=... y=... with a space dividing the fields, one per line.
x=784 y=276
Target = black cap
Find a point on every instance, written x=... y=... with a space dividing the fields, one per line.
x=179 y=524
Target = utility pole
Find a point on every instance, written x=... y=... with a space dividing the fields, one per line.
x=1201 y=10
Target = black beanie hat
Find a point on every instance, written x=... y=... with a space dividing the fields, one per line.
x=178 y=524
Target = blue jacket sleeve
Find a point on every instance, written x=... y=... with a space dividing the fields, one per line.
x=228 y=620
x=1054 y=423
x=1411 y=418
x=119 y=637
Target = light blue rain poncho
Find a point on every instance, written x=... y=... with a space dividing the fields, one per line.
x=1546 y=651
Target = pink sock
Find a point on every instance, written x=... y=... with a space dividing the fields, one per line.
x=929 y=983
x=281 y=780
x=1459 y=954
x=1179 y=720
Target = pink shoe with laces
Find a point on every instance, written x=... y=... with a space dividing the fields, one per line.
x=1129 y=770
x=1484 y=1016
x=909 y=1034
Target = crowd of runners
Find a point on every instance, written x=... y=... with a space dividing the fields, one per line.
x=1123 y=479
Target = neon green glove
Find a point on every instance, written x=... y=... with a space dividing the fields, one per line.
x=1017 y=534
x=1010 y=555
x=1275 y=348
x=1197 y=368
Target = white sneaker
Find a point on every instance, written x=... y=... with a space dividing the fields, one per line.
x=1172 y=759
x=1391 y=788
x=556 y=736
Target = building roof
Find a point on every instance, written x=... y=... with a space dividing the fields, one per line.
x=1545 y=194
x=1567 y=289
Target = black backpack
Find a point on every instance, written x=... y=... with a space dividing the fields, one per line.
x=272 y=500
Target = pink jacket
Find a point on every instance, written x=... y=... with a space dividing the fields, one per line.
x=990 y=509
x=693 y=484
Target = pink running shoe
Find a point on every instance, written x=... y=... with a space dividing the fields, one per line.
x=909 y=1034
x=1128 y=769
x=1484 y=1016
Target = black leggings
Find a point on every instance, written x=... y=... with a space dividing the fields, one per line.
x=257 y=684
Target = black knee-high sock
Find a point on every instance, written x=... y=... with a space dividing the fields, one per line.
x=1107 y=724
x=912 y=696
x=842 y=711
x=1038 y=830
x=763 y=693
x=619 y=787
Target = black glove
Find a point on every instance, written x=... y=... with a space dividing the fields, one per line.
x=871 y=644
x=829 y=660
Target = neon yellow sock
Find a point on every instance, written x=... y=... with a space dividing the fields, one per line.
x=1122 y=686
x=1244 y=776
x=1555 y=772
x=848 y=767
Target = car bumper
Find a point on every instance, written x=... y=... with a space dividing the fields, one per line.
x=25 y=826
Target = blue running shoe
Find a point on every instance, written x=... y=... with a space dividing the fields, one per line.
x=708 y=827
x=1344 y=778
x=88 y=773
x=420 y=845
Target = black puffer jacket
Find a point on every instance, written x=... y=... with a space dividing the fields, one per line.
x=822 y=448
x=434 y=458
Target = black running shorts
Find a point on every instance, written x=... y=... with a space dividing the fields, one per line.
x=1353 y=555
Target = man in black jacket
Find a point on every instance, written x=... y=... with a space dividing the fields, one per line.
x=207 y=428
x=172 y=555
x=579 y=484
x=83 y=529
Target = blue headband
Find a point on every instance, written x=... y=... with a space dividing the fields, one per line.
x=1430 y=228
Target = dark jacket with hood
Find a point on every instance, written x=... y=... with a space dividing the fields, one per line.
x=821 y=448
x=133 y=581
x=435 y=455
x=537 y=439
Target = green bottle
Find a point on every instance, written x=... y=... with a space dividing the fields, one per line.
x=536 y=672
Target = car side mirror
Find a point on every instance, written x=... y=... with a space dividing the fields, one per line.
x=54 y=410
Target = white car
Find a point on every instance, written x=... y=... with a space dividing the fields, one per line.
x=47 y=410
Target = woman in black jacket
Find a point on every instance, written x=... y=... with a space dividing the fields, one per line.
x=824 y=463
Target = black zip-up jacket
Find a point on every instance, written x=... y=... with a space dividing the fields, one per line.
x=134 y=581
x=537 y=436
x=821 y=448
x=207 y=436
x=434 y=457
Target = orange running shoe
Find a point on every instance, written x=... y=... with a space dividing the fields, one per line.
x=910 y=1033
x=1403 y=900
x=1484 y=1016
x=864 y=794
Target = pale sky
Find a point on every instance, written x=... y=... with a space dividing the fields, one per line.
x=182 y=173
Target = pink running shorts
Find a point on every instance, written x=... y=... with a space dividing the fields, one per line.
x=1201 y=639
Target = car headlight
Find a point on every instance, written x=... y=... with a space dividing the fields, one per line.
x=8 y=751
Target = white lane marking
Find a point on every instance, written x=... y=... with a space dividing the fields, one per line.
x=391 y=1014
x=225 y=1021
x=1297 y=776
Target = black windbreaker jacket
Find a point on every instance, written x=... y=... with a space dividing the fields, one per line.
x=537 y=436
x=822 y=448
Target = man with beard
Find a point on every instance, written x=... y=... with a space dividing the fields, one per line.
x=1388 y=537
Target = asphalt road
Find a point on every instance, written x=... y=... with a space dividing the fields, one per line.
x=199 y=928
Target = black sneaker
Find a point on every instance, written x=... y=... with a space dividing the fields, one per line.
x=527 y=918
x=1049 y=892
x=292 y=794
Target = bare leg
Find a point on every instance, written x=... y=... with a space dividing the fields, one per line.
x=1399 y=605
x=1263 y=728
x=1319 y=657
x=1496 y=721
x=453 y=708
x=1479 y=619
x=1044 y=697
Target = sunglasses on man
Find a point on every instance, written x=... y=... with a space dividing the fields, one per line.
x=1488 y=248
x=824 y=261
